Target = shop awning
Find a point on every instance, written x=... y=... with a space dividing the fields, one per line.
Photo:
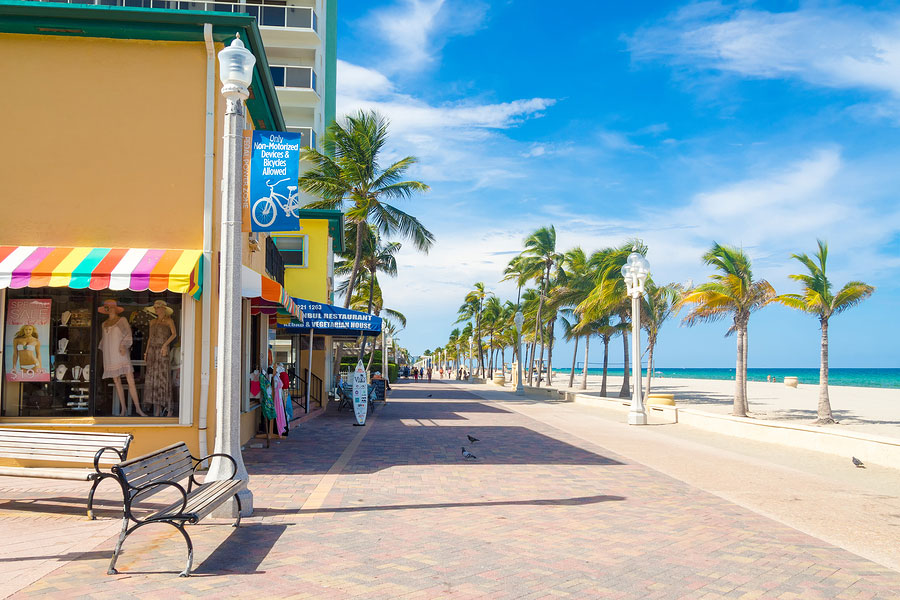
x=135 y=269
x=267 y=296
x=325 y=319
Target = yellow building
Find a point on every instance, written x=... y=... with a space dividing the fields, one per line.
x=110 y=221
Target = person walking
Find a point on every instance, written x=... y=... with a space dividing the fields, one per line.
x=428 y=372
x=416 y=373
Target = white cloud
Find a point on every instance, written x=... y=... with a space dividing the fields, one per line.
x=831 y=47
x=415 y=31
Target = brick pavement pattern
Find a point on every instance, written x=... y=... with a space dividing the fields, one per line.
x=539 y=514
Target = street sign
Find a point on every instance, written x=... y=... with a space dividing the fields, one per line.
x=360 y=394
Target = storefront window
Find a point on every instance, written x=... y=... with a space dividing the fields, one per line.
x=81 y=353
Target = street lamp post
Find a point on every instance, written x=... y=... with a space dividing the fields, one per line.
x=236 y=72
x=520 y=320
x=635 y=272
x=471 y=357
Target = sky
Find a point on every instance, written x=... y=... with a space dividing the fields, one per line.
x=761 y=125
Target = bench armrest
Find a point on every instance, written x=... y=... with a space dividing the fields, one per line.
x=200 y=461
x=141 y=489
x=100 y=452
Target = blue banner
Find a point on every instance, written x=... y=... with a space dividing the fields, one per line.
x=274 y=170
x=325 y=319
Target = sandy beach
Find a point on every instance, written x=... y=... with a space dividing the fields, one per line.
x=871 y=410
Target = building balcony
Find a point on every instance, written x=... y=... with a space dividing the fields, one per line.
x=307 y=136
x=283 y=26
x=296 y=86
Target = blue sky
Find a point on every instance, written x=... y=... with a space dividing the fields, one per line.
x=758 y=124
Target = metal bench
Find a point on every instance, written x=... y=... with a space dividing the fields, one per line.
x=164 y=469
x=98 y=449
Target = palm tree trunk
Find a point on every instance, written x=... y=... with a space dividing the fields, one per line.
x=539 y=330
x=738 y=408
x=745 y=358
x=362 y=346
x=584 y=370
x=650 y=345
x=574 y=356
x=625 y=392
x=606 y=339
x=356 y=260
x=825 y=416
x=551 y=335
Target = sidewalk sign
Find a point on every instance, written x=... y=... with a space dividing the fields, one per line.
x=360 y=394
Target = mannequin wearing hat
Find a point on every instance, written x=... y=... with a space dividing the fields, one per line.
x=116 y=347
x=157 y=383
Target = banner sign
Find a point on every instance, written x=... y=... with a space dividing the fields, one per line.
x=246 y=145
x=360 y=394
x=28 y=340
x=326 y=319
x=274 y=170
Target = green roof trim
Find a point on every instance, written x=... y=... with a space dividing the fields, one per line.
x=335 y=224
x=51 y=18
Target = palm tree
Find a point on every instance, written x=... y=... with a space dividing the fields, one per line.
x=349 y=171
x=658 y=304
x=492 y=315
x=731 y=292
x=472 y=307
x=609 y=295
x=540 y=256
x=574 y=283
x=818 y=300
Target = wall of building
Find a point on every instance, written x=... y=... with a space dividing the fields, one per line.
x=114 y=146
x=311 y=282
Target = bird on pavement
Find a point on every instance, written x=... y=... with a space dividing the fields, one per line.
x=428 y=396
x=467 y=454
x=472 y=439
x=859 y=464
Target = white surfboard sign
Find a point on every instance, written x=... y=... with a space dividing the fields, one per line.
x=360 y=394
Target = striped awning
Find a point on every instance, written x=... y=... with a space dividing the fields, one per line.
x=268 y=297
x=135 y=269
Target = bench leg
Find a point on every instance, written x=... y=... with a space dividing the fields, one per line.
x=190 y=546
x=112 y=563
x=238 y=500
x=90 y=504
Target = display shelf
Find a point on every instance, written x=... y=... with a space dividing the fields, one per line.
x=72 y=353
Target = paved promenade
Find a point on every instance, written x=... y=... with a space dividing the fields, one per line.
x=393 y=510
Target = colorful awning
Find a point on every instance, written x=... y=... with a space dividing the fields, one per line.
x=268 y=297
x=135 y=269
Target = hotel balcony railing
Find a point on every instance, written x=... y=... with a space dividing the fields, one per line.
x=300 y=17
x=307 y=136
x=294 y=77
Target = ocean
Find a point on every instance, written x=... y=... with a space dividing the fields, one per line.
x=878 y=378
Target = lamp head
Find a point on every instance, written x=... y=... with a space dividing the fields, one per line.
x=519 y=319
x=236 y=66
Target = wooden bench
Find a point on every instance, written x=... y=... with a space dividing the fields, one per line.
x=165 y=468
x=98 y=449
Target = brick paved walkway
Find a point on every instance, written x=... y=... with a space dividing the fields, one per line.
x=540 y=513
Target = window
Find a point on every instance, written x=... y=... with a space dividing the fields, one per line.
x=61 y=344
x=292 y=249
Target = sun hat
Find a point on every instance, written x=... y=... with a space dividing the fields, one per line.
x=152 y=308
x=110 y=305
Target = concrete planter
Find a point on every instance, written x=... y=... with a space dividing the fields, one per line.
x=791 y=381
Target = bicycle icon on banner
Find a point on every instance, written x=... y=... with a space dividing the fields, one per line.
x=265 y=210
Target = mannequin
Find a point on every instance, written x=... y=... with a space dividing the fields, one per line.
x=157 y=382
x=115 y=344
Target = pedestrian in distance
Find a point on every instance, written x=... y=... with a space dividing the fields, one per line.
x=416 y=373
x=428 y=372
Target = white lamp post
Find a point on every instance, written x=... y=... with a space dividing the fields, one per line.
x=635 y=272
x=520 y=321
x=236 y=72
x=471 y=361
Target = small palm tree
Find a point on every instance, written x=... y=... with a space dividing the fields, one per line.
x=472 y=307
x=818 y=300
x=540 y=256
x=349 y=171
x=731 y=292
x=658 y=304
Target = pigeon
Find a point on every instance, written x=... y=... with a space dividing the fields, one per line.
x=428 y=396
x=467 y=454
x=472 y=439
x=859 y=464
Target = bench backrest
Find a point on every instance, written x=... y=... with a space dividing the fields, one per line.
x=172 y=463
x=65 y=446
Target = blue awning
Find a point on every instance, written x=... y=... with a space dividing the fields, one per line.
x=325 y=319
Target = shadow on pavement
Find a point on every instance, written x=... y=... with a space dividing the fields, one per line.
x=580 y=501
x=242 y=552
